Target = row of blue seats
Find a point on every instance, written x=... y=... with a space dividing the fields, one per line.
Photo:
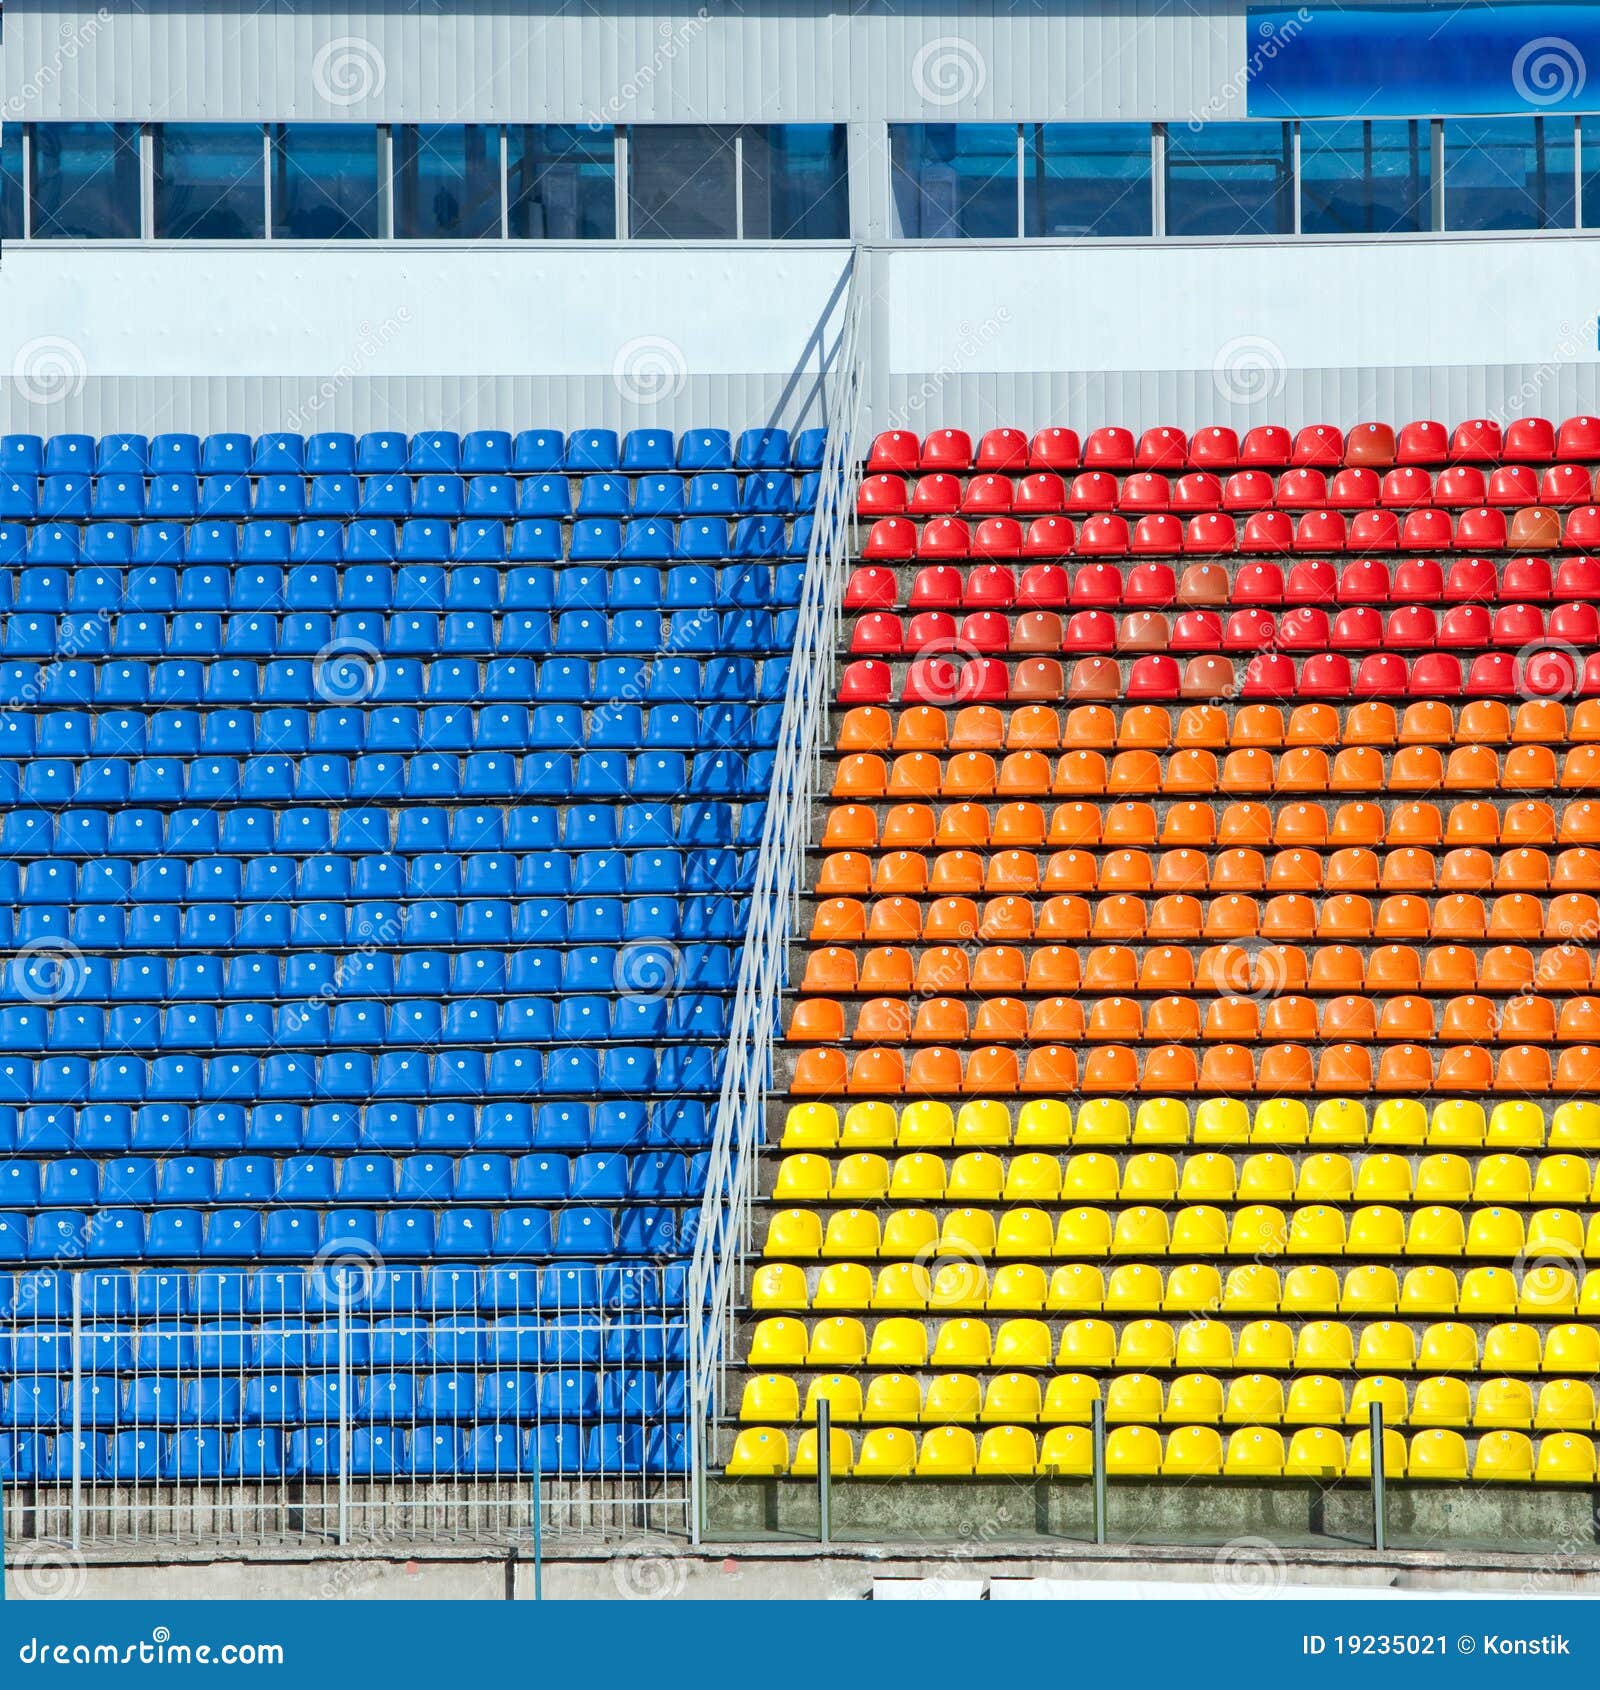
x=353 y=677
x=556 y=1451
x=126 y=497
x=639 y=971
x=399 y=1235
x=444 y=1293
x=299 y=1076
x=360 y=1024
x=204 y=634
x=423 y=777
x=341 y=729
x=485 y=451
x=172 y=1129
x=248 y=830
x=383 y=925
x=707 y=539
x=70 y=1182
x=270 y=588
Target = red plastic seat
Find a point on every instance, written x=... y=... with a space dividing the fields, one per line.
x=1578 y=578
x=1311 y=583
x=1319 y=531
x=1492 y=675
x=1215 y=447
x=1258 y=583
x=1092 y=491
x=1042 y=491
x=1459 y=486
x=1153 y=677
x=1526 y=578
x=947 y=448
x=1364 y=581
x=1574 y=624
x=1436 y=674
x=1250 y=630
x=987 y=495
x=1404 y=489
x=866 y=682
x=1382 y=675
x=936 y=588
x=1481 y=530
x=1091 y=630
x=1358 y=627
x=1158 y=536
x=1427 y=531
x=1566 y=484
x=1471 y=578
x=870 y=588
x=1152 y=585
x=1197 y=492
x=1269 y=674
x=945 y=536
x=1049 y=536
x=877 y=634
x=1374 y=531
x=1371 y=444
x=1211 y=534
x=1579 y=440
x=1583 y=526
x=1475 y=442
x=1302 y=489
x=984 y=680
x=1417 y=580
x=1003 y=450
x=1353 y=490
x=1249 y=490
x=990 y=585
x=997 y=536
x=1464 y=625
x=1196 y=630
x=986 y=632
x=1055 y=448
x=1044 y=586
x=1266 y=447
x=1105 y=535
x=1268 y=531
x=1410 y=628
x=895 y=452
x=1161 y=448
x=882 y=495
x=1109 y=448
x=892 y=537
x=1422 y=443
x=1530 y=440
x=1305 y=628
x=1096 y=586
x=935 y=495
x=931 y=680
x=1319 y=447
x=1146 y=491
x=1517 y=624
x=1513 y=485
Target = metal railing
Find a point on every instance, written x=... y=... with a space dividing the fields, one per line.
x=724 y=1236
x=342 y=1404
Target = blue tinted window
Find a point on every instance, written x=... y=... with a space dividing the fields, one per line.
x=955 y=179
x=1508 y=173
x=681 y=182
x=11 y=182
x=210 y=182
x=325 y=182
x=85 y=181
x=1364 y=178
x=447 y=182
x=1087 y=179
x=563 y=182
x=1230 y=179
x=1591 y=175
x=794 y=183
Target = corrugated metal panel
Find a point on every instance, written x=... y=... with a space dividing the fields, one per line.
x=764 y=60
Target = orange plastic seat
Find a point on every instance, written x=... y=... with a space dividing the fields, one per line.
x=820 y=1072
x=850 y=827
x=1003 y=1020
x=838 y=921
x=1182 y=870
x=1173 y=1019
x=1003 y=968
x=1034 y=727
x=845 y=874
x=935 y=1071
x=1285 y=1068
x=1054 y=1020
x=1011 y=917
x=954 y=873
x=1578 y=1069
x=1522 y=1019
x=938 y=1021
x=1405 y=1068
x=818 y=1021
x=1236 y=1018
x=900 y=874
x=875 y=1071
x=1115 y=1021
x=1524 y=1069
x=1349 y=1017
x=1228 y=1069
x=886 y=969
x=865 y=728
x=1167 y=968
x=1051 y=1069
x=830 y=969
x=894 y=921
x=1169 y=1068
x=1344 y=1069
x=920 y=727
x=1110 y=1069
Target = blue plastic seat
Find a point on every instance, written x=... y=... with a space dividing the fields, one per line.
x=486 y=451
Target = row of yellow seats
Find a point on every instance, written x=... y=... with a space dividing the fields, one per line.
x=1252 y=1452
x=1207 y=1176
x=1248 y=1399
x=1199 y=1229
x=1540 y=1290
x=1261 y=1346
x=1046 y=1122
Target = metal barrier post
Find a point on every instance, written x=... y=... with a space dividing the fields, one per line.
x=824 y=1472
x=1379 y=1531
x=344 y=1408
x=77 y=1411
x=538 y=1523
x=1098 y=1440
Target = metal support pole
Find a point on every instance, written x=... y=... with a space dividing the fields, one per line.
x=824 y=1472
x=538 y=1523
x=1097 y=1434
x=344 y=1407
x=1379 y=1533
x=77 y=1411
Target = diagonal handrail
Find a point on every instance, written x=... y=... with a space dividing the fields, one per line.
x=724 y=1236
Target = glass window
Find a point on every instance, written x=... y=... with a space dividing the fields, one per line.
x=86 y=181
x=210 y=183
x=325 y=182
x=955 y=180
x=795 y=188
x=447 y=182
x=1508 y=173
x=680 y=183
x=1591 y=173
x=1230 y=179
x=563 y=182
x=1087 y=179
x=11 y=182
x=1365 y=178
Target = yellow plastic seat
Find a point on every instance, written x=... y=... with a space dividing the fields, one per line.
x=1102 y=1120
x=795 y=1233
x=1007 y=1452
x=892 y=1399
x=1376 y=1229
x=860 y=1178
x=1444 y=1179
x=770 y=1396
x=810 y=1126
x=1266 y=1178
x=1192 y=1452
x=1265 y=1346
x=1149 y=1177
x=1222 y=1120
x=1429 y=1290
x=1193 y=1288
x=778 y=1285
x=1140 y=1231
x=1383 y=1178
x=1199 y=1229
x=1358 y=1463
x=1310 y=1289
x=1371 y=1289
x=1314 y=1400
x=900 y=1285
x=1193 y=1399
x=970 y=1234
x=1565 y=1405
x=916 y=1178
x=1254 y=1399
x=1254 y=1452
x=900 y=1343
x=1145 y=1344
x=1076 y=1289
x=1548 y=1291
x=887 y=1452
x=983 y=1121
x=1457 y=1121
x=1088 y=1345
x=1209 y=1177
x=1437 y=1454
x=1033 y=1177
x=843 y=1285
x=1315 y=1452
x=1133 y=1399
x=1562 y=1178
x=1023 y=1232
x=851 y=1233
x=926 y=1124
x=867 y=1126
x=1133 y=1288
x=1502 y=1457
x=1067 y=1452
x=1012 y=1397
x=1133 y=1452
x=953 y=1398
x=1018 y=1285
x=1503 y=1402
x=1251 y=1289
x=1575 y=1125
x=1389 y=1395
x=1044 y=1122
x=1162 y=1120
x=1258 y=1230
x=975 y=1177
x=1281 y=1120
x=1565 y=1460
x=778 y=1343
x=962 y=1343
x=1435 y=1231
x=1021 y=1343
x=1204 y=1344
x=1339 y=1120
x=1572 y=1348
x=1447 y=1347
x=1555 y=1233
x=838 y=1342
x=1084 y=1234
x=1486 y=1293
x=1324 y=1345
x=1495 y=1232
x=1316 y=1230
x=841 y=1392
x=1387 y=1346
x=1516 y=1122
x=1399 y=1120
x=1325 y=1178
x=1089 y=1177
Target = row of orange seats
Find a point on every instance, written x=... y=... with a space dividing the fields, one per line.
x=1227 y=1069
x=1156 y=586
x=1133 y=822
x=881 y=633
x=1533 y=528
x=1218 y=970
x=1043 y=492
x=1479 y=440
x=1353 y=869
x=1007 y=1020
x=985 y=727
x=1357 y=768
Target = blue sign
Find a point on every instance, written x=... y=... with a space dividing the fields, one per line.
x=1422 y=61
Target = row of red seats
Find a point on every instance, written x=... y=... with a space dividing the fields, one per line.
x=1044 y=493
x=1156 y=676
x=1534 y=528
x=1511 y=972
x=1156 y=586
x=1154 y=727
x=1412 y=627
x=949 y=1020
x=1229 y=1070
x=1481 y=440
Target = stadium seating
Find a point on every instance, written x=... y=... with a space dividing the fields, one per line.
x=376 y=822
x=1201 y=1009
